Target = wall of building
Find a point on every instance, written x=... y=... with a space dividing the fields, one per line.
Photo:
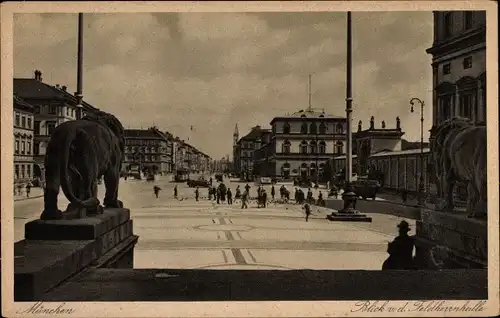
x=381 y=144
x=23 y=147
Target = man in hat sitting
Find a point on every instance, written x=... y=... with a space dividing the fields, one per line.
x=400 y=250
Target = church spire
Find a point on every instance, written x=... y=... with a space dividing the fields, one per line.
x=236 y=133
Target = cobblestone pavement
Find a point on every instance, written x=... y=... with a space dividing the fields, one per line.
x=184 y=233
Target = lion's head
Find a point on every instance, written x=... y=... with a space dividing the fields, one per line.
x=109 y=121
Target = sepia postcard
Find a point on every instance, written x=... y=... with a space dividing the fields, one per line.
x=249 y=159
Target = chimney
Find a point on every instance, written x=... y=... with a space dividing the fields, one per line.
x=64 y=87
x=38 y=75
x=57 y=85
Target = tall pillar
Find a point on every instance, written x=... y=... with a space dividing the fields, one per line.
x=480 y=102
x=349 y=100
x=79 y=94
x=456 y=104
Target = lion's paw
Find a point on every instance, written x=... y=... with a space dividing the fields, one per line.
x=98 y=210
x=57 y=215
x=114 y=204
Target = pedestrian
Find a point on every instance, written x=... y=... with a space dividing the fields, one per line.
x=309 y=196
x=218 y=195
x=404 y=195
x=264 y=197
x=175 y=191
x=19 y=189
x=214 y=192
x=210 y=193
x=400 y=250
x=272 y=192
x=156 y=190
x=247 y=188
x=197 y=193
x=307 y=207
x=237 y=195
x=229 y=196
x=28 y=189
x=211 y=181
x=244 y=199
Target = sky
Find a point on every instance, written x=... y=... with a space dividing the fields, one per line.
x=214 y=70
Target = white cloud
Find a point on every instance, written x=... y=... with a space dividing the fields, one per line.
x=206 y=27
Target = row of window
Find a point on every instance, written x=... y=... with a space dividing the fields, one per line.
x=144 y=158
x=22 y=146
x=468 y=106
x=313 y=128
x=312 y=147
x=23 y=121
x=448 y=22
x=466 y=64
x=143 y=149
x=140 y=142
x=55 y=110
x=22 y=171
x=51 y=125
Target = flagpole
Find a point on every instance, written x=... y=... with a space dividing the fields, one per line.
x=79 y=71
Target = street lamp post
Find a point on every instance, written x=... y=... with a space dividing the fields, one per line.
x=421 y=186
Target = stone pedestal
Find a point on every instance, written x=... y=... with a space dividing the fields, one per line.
x=56 y=250
x=451 y=239
x=349 y=212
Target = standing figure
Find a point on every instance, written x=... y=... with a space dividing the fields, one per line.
x=156 y=190
x=217 y=191
x=307 y=208
x=175 y=191
x=222 y=192
x=272 y=192
x=196 y=193
x=264 y=197
x=309 y=196
x=404 y=195
x=320 y=199
x=400 y=249
x=229 y=196
x=237 y=195
x=28 y=189
x=244 y=199
x=210 y=181
x=214 y=192
x=247 y=188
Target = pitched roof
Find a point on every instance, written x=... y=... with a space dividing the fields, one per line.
x=18 y=101
x=255 y=133
x=30 y=88
x=142 y=133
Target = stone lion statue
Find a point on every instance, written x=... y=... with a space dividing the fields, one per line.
x=459 y=154
x=79 y=153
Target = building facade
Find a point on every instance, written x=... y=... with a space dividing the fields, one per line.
x=302 y=143
x=148 y=149
x=23 y=142
x=244 y=156
x=459 y=66
x=53 y=105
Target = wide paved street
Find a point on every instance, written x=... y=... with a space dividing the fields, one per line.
x=183 y=233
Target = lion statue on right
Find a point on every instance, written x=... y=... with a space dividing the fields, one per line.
x=458 y=150
x=79 y=153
